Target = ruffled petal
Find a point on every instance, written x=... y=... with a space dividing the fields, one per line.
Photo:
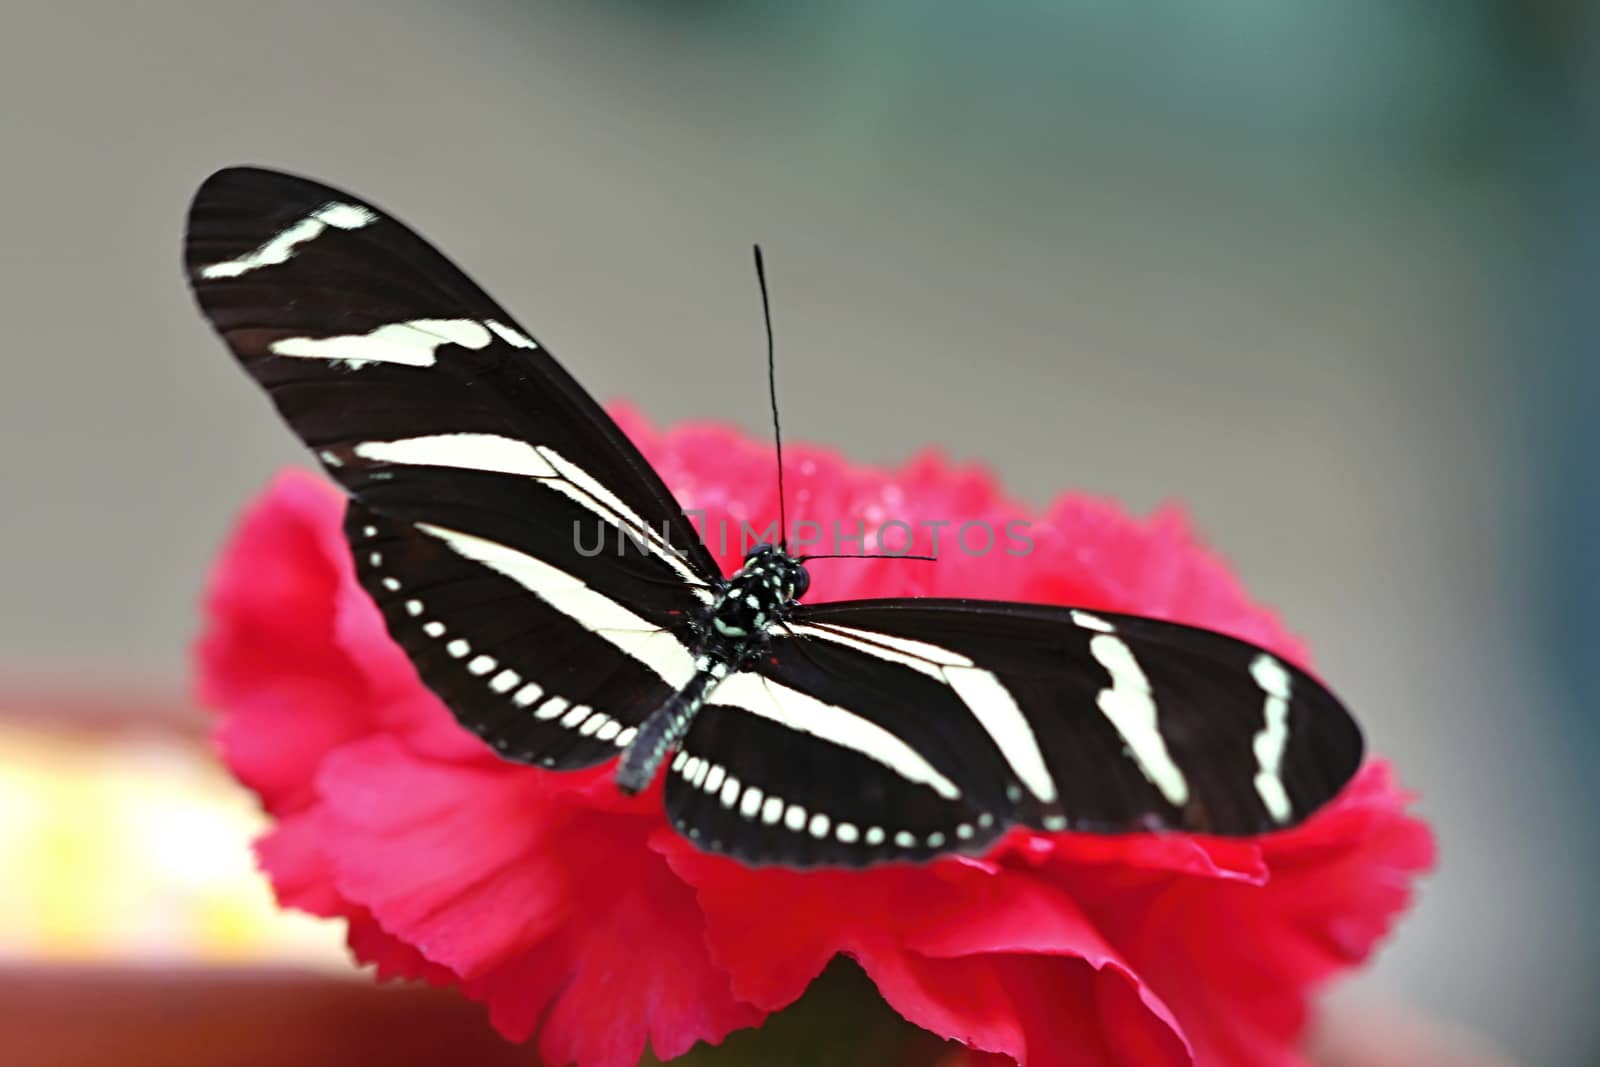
x=538 y=903
x=1090 y=553
x=958 y=948
x=268 y=654
x=291 y=855
x=1335 y=886
x=1037 y=947
x=390 y=958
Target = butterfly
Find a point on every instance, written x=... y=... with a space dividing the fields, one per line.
x=845 y=733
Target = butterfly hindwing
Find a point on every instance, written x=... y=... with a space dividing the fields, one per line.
x=797 y=762
x=530 y=674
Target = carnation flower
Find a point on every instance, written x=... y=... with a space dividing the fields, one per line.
x=580 y=918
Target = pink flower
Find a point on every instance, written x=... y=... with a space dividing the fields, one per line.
x=577 y=914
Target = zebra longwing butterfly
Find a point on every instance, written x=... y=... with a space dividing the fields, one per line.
x=802 y=734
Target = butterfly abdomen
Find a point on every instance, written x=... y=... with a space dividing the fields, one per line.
x=663 y=731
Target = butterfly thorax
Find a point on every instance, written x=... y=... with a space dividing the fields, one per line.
x=759 y=595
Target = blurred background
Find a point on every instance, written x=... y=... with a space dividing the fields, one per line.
x=1324 y=270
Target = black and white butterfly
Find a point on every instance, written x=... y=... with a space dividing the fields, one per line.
x=845 y=733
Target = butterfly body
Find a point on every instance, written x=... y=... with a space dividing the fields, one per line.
x=803 y=734
x=731 y=633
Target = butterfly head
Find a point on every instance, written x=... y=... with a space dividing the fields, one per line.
x=783 y=573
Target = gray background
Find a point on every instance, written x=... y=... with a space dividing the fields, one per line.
x=1291 y=264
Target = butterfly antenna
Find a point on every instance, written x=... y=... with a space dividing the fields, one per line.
x=772 y=393
x=864 y=555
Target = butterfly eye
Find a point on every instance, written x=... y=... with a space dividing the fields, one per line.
x=800 y=582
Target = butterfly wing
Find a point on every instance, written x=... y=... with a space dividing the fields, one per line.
x=484 y=471
x=797 y=762
x=1050 y=717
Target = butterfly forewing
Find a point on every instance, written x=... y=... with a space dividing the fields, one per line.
x=1103 y=722
x=392 y=365
x=515 y=517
